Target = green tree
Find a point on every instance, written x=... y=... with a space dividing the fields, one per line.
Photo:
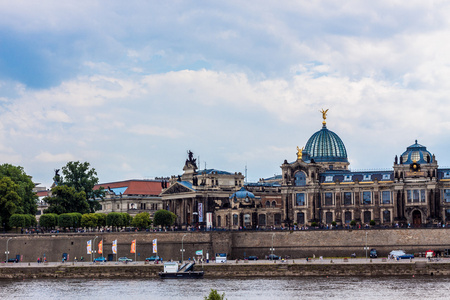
x=25 y=188
x=141 y=220
x=66 y=220
x=31 y=220
x=83 y=178
x=89 y=220
x=214 y=295
x=65 y=199
x=48 y=220
x=10 y=200
x=164 y=218
x=126 y=219
x=101 y=219
x=18 y=220
x=114 y=219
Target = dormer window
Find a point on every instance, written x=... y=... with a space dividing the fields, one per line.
x=328 y=178
x=367 y=177
x=348 y=178
x=447 y=174
x=386 y=176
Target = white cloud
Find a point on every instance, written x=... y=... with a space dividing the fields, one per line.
x=59 y=158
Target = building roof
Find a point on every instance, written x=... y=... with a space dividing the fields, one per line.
x=213 y=171
x=325 y=146
x=242 y=193
x=416 y=153
x=133 y=187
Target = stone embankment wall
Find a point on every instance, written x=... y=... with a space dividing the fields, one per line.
x=297 y=244
x=240 y=270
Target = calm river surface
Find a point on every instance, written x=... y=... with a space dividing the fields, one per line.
x=286 y=288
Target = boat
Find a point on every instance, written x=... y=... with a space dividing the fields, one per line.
x=171 y=271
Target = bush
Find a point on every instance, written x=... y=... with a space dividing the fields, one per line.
x=214 y=295
x=314 y=224
x=352 y=223
x=48 y=220
x=372 y=223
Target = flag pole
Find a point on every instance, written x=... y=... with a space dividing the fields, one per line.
x=135 y=250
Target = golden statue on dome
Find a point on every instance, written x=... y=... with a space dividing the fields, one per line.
x=299 y=153
x=324 y=115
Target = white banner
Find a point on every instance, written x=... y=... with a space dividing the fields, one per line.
x=114 y=247
x=88 y=247
x=155 y=246
x=200 y=212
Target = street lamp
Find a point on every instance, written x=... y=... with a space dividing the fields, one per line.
x=271 y=249
x=366 y=246
x=93 y=247
x=7 y=252
x=182 y=248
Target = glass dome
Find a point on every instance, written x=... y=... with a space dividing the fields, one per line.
x=416 y=153
x=325 y=146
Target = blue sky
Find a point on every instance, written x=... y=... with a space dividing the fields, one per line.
x=131 y=86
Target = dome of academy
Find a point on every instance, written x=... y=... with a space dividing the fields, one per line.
x=416 y=153
x=242 y=194
x=325 y=146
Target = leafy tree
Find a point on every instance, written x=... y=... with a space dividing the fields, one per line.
x=76 y=219
x=126 y=219
x=31 y=220
x=89 y=220
x=352 y=223
x=48 y=220
x=65 y=221
x=25 y=188
x=114 y=219
x=141 y=220
x=10 y=200
x=65 y=199
x=17 y=220
x=83 y=179
x=101 y=219
x=164 y=218
x=214 y=295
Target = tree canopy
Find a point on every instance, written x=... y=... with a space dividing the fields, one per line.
x=83 y=179
x=65 y=199
x=141 y=220
x=48 y=220
x=164 y=218
x=24 y=188
x=10 y=200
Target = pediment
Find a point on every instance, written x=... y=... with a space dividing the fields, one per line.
x=177 y=188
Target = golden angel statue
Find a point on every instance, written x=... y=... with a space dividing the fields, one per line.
x=324 y=113
x=299 y=153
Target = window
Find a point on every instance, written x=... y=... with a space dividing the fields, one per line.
x=262 y=220
x=348 y=178
x=277 y=219
x=300 y=218
x=328 y=198
x=274 y=204
x=447 y=196
x=386 y=197
x=328 y=178
x=386 y=216
x=367 y=216
x=267 y=203
x=348 y=217
x=416 y=195
x=247 y=220
x=422 y=196
x=447 y=215
x=367 y=197
x=328 y=217
x=347 y=198
x=367 y=177
x=447 y=174
x=408 y=196
x=300 y=199
x=219 y=222
x=386 y=176
x=235 y=220
x=300 y=178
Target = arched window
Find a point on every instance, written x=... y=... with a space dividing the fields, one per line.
x=328 y=217
x=277 y=219
x=367 y=216
x=247 y=220
x=348 y=217
x=274 y=203
x=300 y=178
x=267 y=203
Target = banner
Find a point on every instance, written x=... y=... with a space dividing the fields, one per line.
x=199 y=252
x=200 y=212
x=155 y=246
x=88 y=247
x=114 y=247
x=100 y=247
x=133 y=246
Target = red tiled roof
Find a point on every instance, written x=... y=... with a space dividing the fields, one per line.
x=42 y=193
x=134 y=187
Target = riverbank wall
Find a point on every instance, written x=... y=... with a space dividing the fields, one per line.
x=237 y=244
x=241 y=270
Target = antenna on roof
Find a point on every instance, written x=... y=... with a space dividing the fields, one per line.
x=245 y=173
x=205 y=165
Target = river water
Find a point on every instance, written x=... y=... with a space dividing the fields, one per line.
x=392 y=288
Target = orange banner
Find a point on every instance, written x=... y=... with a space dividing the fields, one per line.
x=133 y=246
x=100 y=247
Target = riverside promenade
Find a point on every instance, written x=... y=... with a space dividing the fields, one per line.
x=233 y=269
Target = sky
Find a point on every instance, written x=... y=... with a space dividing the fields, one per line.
x=131 y=86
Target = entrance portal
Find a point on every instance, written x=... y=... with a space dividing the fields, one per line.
x=417 y=218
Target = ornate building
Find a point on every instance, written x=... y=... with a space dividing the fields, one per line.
x=318 y=187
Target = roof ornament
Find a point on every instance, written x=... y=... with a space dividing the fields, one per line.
x=324 y=116
x=299 y=153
